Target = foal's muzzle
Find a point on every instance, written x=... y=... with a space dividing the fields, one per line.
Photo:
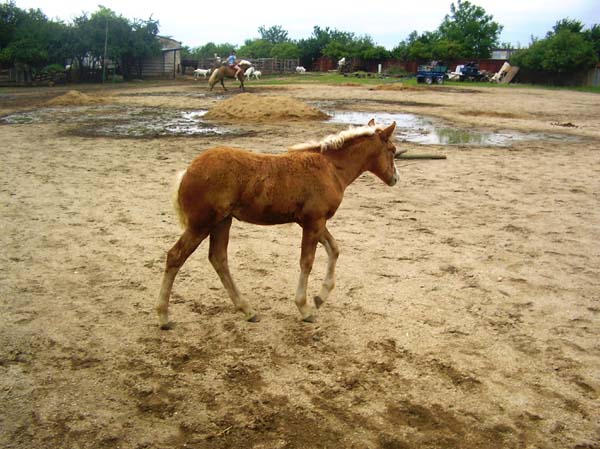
x=394 y=179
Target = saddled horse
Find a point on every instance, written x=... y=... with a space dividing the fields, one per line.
x=304 y=185
x=226 y=71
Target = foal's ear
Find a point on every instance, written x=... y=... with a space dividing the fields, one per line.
x=387 y=132
x=371 y=122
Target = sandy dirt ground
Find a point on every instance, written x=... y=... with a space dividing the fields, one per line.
x=466 y=312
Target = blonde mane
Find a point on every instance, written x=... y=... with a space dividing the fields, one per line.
x=337 y=141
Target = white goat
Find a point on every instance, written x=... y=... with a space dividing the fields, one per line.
x=300 y=69
x=203 y=72
x=252 y=72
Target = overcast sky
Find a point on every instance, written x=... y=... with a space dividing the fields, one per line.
x=387 y=22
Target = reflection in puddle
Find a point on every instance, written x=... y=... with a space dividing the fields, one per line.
x=427 y=131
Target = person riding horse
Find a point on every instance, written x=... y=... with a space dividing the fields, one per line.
x=232 y=62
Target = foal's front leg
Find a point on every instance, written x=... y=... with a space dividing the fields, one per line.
x=311 y=234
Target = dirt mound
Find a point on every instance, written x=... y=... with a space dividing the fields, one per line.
x=263 y=108
x=74 y=98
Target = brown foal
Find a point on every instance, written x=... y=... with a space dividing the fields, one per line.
x=304 y=185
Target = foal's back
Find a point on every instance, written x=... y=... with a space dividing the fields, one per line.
x=258 y=188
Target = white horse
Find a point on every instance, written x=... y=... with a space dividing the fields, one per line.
x=257 y=74
x=300 y=69
x=203 y=72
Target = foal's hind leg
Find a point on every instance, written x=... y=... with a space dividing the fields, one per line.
x=176 y=257
x=311 y=234
x=333 y=252
x=217 y=254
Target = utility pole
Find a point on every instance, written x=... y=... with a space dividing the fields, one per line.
x=105 y=49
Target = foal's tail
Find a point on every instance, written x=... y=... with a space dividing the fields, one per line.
x=183 y=220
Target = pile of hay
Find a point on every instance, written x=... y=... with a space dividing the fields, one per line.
x=267 y=108
x=74 y=98
x=394 y=87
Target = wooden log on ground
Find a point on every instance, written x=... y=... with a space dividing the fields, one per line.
x=420 y=156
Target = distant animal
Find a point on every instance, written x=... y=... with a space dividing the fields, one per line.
x=256 y=74
x=300 y=69
x=225 y=71
x=203 y=72
x=304 y=185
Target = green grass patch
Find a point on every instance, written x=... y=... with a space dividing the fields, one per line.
x=324 y=78
x=340 y=80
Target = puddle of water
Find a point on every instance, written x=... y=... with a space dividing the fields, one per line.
x=103 y=121
x=427 y=131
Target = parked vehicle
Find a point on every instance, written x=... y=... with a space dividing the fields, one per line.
x=433 y=73
x=469 y=72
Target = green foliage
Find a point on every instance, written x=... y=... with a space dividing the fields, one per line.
x=273 y=35
x=566 y=48
x=10 y=19
x=209 y=50
x=28 y=38
x=472 y=30
x=468 y=32
x=593 y=35
x=337 y=44
x=256 y=48
x=53 y=68
x=312 y=48
x=26 y=33
x=285 y=50
x=567 y=24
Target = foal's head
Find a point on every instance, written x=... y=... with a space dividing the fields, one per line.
x=382 y=164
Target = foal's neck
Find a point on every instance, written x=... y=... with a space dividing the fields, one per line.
x=352 y=160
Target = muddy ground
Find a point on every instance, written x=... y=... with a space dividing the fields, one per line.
x=466 y=311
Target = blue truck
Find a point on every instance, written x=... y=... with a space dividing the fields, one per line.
x=432 y=73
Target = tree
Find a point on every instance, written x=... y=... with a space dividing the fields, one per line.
x=593 y=35
x=285 y=50
x=574 y=26
x=467 y=32
x=25 y=36
x=346 y=44
x=210 y=49
x=471 y=30
x=256 y=48
x=28 y=39
x=312 y=48
x=275 y=35
x=565 y=49
x=10 y=19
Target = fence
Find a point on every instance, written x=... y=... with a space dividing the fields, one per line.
x=590 y=78
x=265 y=65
